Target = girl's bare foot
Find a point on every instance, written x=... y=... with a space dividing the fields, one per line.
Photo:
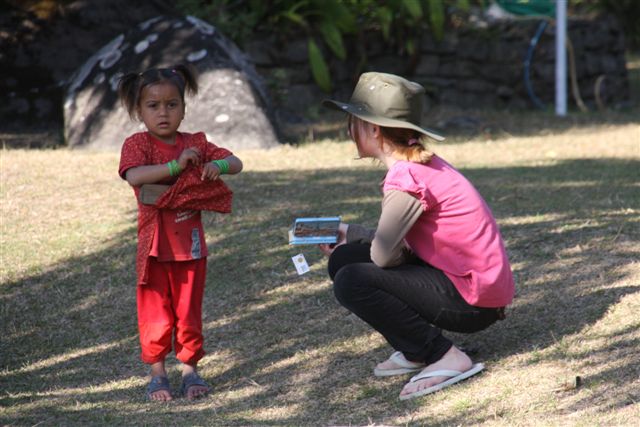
x=453 y=359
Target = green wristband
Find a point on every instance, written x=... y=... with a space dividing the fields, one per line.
x=174 y=168
x=223 y=165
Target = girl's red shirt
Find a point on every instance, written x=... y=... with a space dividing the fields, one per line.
x=188 y=192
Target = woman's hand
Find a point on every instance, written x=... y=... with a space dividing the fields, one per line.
x=189 y=155
x=328 y=248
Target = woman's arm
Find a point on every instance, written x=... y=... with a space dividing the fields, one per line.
x=400 y=211
x=359 y=234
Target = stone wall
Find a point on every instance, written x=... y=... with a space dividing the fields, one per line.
x=479 y=66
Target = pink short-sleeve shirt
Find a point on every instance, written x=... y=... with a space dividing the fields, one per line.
x=456 y=232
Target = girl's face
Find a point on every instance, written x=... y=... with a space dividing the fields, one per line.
x=161 y=109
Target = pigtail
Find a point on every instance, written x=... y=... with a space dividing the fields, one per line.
x=128 y=92
x=189 y=77
x=418 y=152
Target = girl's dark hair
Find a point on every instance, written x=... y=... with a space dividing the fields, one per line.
x=130 y=85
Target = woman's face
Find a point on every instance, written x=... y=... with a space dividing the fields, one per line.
x=363 y=134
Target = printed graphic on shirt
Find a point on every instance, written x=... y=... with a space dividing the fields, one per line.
x=184 y=215
x=196 y=251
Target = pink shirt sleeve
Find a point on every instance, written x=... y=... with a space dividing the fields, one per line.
x=401 y=178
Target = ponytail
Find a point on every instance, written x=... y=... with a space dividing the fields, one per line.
x=128 y=92
x=418 y=152
x=189 y=77
x=408 y=144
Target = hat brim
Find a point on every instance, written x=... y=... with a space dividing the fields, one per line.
x=364 y=114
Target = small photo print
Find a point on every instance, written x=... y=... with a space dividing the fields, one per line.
x=301 y=264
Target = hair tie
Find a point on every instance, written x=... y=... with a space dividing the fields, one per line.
x=413 y=141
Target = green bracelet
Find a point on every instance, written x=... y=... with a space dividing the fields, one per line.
x=174 y=168
x=223 y=165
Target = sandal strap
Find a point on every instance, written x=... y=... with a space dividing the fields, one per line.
x=192 y=379
x=399 y=359
x=440 y=373
x=158 y=383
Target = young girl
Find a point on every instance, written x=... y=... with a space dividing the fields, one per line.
x=436 y=259
x=171 y=259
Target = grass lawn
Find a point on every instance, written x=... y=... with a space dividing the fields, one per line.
x=281 y=351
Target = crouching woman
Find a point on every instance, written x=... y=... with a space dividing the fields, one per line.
x=436 y=260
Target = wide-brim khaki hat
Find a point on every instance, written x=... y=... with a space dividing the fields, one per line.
x=386 y=100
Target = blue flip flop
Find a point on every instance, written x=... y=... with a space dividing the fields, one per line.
x=190 y=380
x=156 y=384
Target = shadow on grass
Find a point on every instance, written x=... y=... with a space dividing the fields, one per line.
x=70 y=352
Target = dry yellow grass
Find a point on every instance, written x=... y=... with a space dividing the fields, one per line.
x=280 y=349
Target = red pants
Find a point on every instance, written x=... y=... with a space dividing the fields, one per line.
x=172 y=300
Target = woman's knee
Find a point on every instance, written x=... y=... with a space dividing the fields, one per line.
x=348 y=284
x=334 y=264
x=347 y=254
x=337 y=260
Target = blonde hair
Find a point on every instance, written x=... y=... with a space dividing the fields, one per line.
x=407 y=144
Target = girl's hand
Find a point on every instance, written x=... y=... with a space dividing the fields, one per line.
x=328 y=248
x=189 y=155
x=210 y=172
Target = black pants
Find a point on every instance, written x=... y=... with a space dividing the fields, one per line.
x=408 y=304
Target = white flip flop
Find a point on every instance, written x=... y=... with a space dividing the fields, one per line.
x=405 y=366
x=455 y=376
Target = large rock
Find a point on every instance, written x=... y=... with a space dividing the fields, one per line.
x=232 y=106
